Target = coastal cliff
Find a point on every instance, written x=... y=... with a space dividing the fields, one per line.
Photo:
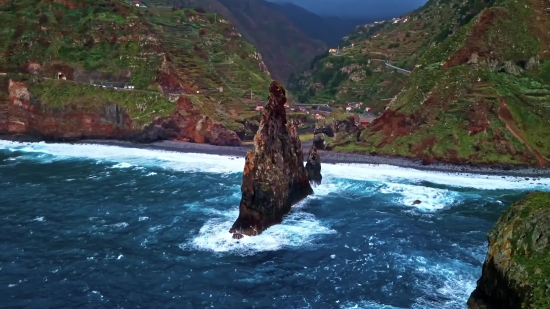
x=274 y=176
x=516 y=272
x=26 y=115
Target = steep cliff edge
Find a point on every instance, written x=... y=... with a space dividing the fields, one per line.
x=274 y=176
x=516 y=272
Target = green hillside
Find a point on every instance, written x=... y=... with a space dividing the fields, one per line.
x=163 y=52
x=480 y=96
x=358 y=72
x=284 y=47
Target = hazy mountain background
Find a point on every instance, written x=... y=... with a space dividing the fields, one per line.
x=372 y=9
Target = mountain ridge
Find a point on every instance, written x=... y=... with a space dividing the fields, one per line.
x=283 y=46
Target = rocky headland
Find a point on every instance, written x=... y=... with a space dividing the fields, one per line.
x=516 y=272
x=274 y=177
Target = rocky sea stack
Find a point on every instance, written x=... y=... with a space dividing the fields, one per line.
x=274 y=176
x=516 y=272
x=313 y=167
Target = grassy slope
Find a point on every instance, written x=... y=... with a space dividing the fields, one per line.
x=434 y=117
x=285 y=49
x=112 y=41
x=207 y=52
x=368 y=79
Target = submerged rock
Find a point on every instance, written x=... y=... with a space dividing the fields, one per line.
x=516 y=272
x=313 y=167
x=274 y=176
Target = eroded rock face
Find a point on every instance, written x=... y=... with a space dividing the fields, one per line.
x=274 y=176
x=313 y=167
x=185 y=124
x=336 y=126
x=19 y=117
x=516 y=272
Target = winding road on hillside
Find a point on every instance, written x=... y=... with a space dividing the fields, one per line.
x=398 y=69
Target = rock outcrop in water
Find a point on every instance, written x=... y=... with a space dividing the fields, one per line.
x=516 y=272
x=274 y=176
x=313 y=167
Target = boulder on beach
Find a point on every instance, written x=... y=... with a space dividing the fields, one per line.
x=313 y=167
x=274 y=176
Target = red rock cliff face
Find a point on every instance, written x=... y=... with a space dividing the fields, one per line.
x=186 y=124
x=274 y=177
x=20 y=117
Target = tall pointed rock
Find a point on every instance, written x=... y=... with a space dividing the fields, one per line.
x=313 y=167
x=274 y=176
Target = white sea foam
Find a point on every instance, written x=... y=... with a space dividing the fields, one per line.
x=389 y=173
x=193 y=162
x=299 y=229
x=431 y=199
x=367 y=305
x=125 y=157
x=122 y=165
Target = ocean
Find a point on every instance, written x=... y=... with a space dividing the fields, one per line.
x=92 y=226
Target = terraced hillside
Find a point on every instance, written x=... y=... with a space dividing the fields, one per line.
x=481 y=96
x=265 y=25
x=164 y=53
x=359 y=72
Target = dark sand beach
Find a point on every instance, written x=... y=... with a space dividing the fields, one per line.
x=334 y=158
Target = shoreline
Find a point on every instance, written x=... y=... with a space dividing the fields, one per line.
x=326 y=157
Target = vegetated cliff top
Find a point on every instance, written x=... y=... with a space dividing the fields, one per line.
x=481 y=96
x=359 y=73
x=163 y=52
x=517 y=267
x=284 y=47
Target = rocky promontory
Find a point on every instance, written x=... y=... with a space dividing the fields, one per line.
x=516 y=272
x=274 y=176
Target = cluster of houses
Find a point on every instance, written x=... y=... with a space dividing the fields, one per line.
x=400 y=19
x=336 y=51
x=354 y=105
x=115 y=85
x=138 y=4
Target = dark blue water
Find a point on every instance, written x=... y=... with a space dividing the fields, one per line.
x=106 y=227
